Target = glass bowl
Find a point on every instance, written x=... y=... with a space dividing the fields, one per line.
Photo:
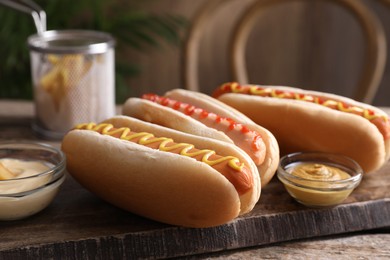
x=315 y=181
x=26 y=193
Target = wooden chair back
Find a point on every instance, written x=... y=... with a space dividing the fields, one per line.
x=374 y=36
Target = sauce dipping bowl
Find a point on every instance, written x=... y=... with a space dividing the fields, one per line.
x=320 y=192
x=21 y=197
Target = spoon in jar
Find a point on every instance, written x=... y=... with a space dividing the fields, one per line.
x=28 y=6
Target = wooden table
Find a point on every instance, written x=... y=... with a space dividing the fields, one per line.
x=78 y=225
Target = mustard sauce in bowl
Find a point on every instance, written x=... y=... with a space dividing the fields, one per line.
x=319 y=179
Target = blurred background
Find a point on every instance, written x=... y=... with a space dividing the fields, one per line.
x=307 y=44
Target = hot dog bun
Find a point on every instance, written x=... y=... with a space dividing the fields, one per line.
x=159 y=185
x=303 y=120
x=269 y=166
x=178 y=109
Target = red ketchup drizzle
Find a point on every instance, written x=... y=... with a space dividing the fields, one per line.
x=190 y=109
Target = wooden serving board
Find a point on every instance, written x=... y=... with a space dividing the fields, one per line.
x=78 y=225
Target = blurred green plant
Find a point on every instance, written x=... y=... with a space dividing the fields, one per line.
x=132 y=27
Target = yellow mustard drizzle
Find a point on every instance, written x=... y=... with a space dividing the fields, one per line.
x=148 y=138
x=305 y=98
x=258 y=91
x=255 y=90
x=235 y=88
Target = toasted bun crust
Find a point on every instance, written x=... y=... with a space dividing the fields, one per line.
x=268 y=168
x=158 y=185
x=347 y=100
x=305 y=126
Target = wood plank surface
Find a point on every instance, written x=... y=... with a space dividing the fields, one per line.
x=78 y=225
x=342 y=247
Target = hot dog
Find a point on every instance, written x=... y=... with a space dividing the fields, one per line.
x=304 y=120
x=199 y=114
x=162 y=174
